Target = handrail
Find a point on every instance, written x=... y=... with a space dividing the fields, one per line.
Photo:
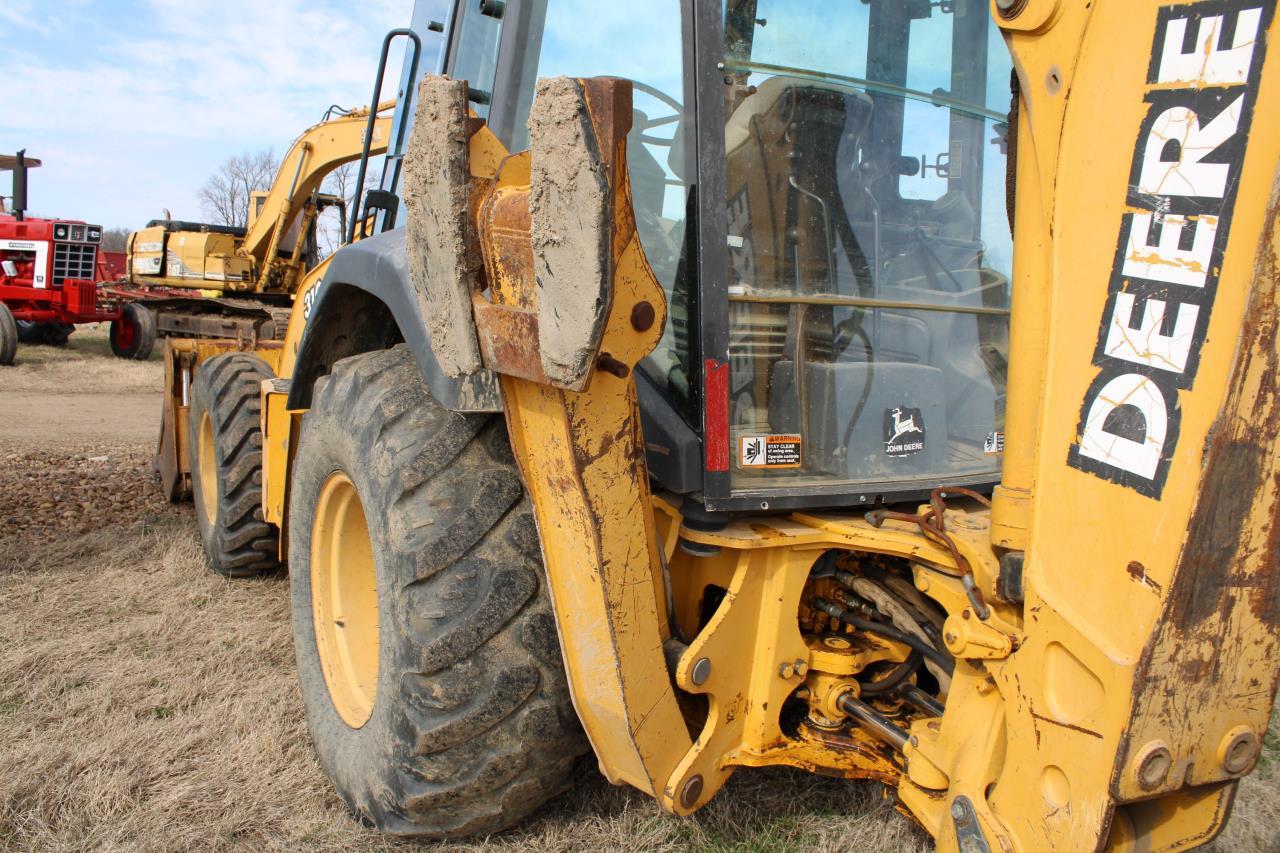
x=377 y=92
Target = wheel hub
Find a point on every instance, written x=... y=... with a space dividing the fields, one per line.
x=344 y=600
x=124 y=332
x=208 y=459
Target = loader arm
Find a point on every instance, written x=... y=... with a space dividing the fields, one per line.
x=1113 y=620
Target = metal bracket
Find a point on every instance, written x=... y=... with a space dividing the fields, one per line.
x=969 y=837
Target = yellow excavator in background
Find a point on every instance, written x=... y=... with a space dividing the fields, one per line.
x=278 y=246
x=216 y=282
x=207 y=285
x=186 y=272
x=783 y=398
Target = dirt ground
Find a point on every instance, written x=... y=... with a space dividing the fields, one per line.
x=146 y=703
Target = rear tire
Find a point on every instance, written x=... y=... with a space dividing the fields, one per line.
x=8 y=336
x=28 y=332
x=48 y=334
x=133 y=335
x=225 y=439
x=460 y=723
x=55 y=334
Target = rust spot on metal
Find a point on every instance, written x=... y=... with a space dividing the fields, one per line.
x=1196 y=670
x=508 y=340
x=1207 y=569
x=1138 y=572
x=508 y=251
x=766 y=531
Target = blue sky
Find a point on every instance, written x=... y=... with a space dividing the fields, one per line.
x=132 y=103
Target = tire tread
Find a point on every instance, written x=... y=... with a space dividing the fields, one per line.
x=238 y=542
x=483 y=725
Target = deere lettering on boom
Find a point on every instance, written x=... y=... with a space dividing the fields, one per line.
x=761 y=382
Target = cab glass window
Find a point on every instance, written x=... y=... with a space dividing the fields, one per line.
x=475 y=54
x=868 y=242
x=641 y=42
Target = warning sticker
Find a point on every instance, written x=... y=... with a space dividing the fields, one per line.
x=994 y=445
x=769 y=451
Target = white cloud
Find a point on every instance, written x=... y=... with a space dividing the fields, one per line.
x=131 y=107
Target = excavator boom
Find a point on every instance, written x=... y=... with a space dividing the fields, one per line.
x=273 y=253
x=312 y=157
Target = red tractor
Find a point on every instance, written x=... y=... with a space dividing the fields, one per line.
x=49 y=274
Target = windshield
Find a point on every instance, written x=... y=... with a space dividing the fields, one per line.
x=868 y=242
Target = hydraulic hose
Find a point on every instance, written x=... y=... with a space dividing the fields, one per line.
x=895 y=679
x=888 y=631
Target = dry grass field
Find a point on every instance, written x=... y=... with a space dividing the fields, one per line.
x=147 y=704
x=84 y=365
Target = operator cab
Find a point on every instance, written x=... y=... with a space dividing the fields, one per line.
x=828 y=222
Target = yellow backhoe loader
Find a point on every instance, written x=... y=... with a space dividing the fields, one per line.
x=751 y=386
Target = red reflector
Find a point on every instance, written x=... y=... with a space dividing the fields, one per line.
x=716 y=417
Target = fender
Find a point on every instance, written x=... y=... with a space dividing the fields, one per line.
x=366 y=301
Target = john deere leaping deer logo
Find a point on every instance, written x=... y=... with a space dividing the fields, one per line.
x=903 y=431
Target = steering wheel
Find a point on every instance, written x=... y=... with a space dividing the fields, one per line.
x=677 y=113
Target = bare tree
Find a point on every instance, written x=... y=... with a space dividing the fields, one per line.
x=114 y=239
x=342 y=183
x=225 y=195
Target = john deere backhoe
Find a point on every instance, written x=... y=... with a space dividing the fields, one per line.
x=783 y=397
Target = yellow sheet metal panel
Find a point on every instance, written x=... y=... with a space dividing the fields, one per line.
x=146 y=255
x=276 y=433
x=186 y=254
x=303 y=299
x=233 y=272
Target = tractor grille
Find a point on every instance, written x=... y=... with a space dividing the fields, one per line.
x=73 y=260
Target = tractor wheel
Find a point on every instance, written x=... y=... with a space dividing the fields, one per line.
x=226 y=465
x=48 y=334
x=426 y=644
x=54 y=334
x=8 y=336
x=134 y=333
x=28 y=332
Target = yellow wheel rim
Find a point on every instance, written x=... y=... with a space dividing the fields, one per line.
x=207 y=457
x=344 y=600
